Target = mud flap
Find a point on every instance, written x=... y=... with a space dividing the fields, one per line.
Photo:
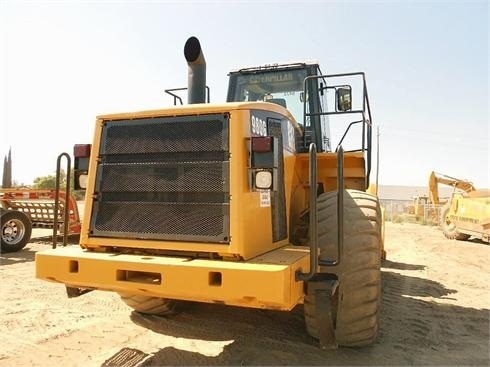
x=73 y=292
x=324 y=313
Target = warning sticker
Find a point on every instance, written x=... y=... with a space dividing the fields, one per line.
x=265 y=198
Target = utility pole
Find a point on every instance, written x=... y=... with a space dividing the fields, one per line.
x=377 y=158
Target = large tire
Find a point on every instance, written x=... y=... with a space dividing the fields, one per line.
x=449 y=228
x=150 y=305
x=16 y=230
x=355 y=306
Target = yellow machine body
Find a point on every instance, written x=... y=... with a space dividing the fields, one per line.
x=263 y=201
x=466 y=213
x=250 y=269
x=245 y=209
x=470 y=213
x=267 y=281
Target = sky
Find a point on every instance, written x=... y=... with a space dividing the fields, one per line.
x=62 y=63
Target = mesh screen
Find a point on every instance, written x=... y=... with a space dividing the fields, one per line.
x=191 y=134
x=163 y=220
x=175 y=177
x=164 y=178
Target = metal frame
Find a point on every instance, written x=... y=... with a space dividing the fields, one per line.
x=178 y=98
x=314 y=261
x=300 y=276
x=366 y=144
x=340 y=210
x=56 y=199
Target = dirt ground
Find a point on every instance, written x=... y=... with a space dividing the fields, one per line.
x=435 y=311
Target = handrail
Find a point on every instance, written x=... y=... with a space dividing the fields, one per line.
x=300 y=276
x=56 y=199
x=347 y=130
x=314 y=261
x=340 y=210
x=366 y=138
x=176 y=97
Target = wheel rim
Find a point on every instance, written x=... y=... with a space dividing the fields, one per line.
x=447 y=224
x=13 y=231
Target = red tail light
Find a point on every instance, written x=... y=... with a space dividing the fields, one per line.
x=262 y=144
x=82 y=150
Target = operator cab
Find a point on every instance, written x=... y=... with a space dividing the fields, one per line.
x=333 y=110
x=284 y=84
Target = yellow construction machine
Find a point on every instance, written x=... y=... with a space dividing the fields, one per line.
x=244 y=203
x=417 y=208
x=466 y=213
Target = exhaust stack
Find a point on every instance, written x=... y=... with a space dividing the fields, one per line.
x=196 y=84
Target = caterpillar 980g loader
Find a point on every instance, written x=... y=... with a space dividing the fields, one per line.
x=243 y=203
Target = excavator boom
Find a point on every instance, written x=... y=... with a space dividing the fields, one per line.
x=436 y=178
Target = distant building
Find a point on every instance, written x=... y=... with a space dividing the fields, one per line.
x=407 y=193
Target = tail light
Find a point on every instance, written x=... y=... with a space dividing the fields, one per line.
x=263 y=162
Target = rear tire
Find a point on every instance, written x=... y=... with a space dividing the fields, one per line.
x=356 y=303
x=16 y=230
x=449 y=228
x=150 y=305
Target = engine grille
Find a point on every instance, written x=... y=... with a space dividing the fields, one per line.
x=164 y=178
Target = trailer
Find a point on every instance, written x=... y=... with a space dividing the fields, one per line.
x=24 y=208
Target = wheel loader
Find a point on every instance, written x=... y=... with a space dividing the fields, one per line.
x=263 y=201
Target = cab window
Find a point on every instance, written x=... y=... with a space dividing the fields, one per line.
x=284 y=87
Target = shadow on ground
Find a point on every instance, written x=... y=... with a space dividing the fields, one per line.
x=412 y=331
x=22 y=256
x=28 y=254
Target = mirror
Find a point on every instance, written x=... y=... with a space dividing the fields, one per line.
x=344 y=99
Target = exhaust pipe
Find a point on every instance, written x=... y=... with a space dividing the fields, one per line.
x=196 y=84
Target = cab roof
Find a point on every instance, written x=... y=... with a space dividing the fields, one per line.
x=274 y=66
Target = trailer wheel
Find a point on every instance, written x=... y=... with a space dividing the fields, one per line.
x=449 y=228
x=355 y=304
x=150 y=305
x=16 y=230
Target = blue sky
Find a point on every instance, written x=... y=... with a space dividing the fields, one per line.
x=65 y=62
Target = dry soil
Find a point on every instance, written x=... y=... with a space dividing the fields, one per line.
x=435 y=311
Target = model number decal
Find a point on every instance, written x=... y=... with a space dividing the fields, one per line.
x=265 y=198
x=259 y=126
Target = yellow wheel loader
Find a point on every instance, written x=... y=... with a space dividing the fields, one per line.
x=244 y=203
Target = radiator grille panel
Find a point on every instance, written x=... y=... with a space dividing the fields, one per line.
x=164 y=178
x=185 y=177
x=163 y=220
x=164 y=135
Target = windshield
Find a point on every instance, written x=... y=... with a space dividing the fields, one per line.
x=284 y=87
